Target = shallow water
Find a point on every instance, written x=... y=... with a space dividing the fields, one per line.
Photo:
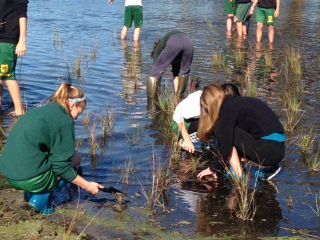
x=113 y=76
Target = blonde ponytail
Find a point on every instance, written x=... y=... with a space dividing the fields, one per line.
x=211 y=101
x=66 y=93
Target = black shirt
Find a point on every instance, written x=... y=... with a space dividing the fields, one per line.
x=267 y=4
x=10 y=12
x=251 y=115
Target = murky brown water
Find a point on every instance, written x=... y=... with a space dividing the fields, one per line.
x=113 y=77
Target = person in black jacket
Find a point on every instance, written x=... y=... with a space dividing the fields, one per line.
x=13 y=44
x=245 y=128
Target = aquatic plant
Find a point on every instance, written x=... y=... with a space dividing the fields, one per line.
x=307 y=140
x=290 y=202
x=249 y=86
x=239 y=58
x=294 y=58
x=135 y=137
x=94 y=146
x=316 y=209
x=161 y=178
x=128 y=169
x=194 y=164
x=166 y=102
x=57 y=40
x=312 y=161
x=107 y=125
x=87 y=120
x=218 y=61
x=293 y=112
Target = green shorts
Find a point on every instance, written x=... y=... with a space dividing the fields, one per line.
x=242 y=12
x=45 y=182
x=265 y=16
x=8 y=61
x=230 y=7
x=135 y=14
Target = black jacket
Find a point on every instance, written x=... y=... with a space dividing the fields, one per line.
x=10 y=12
x=250 y=114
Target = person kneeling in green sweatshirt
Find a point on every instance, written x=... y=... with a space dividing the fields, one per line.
x=40 y=151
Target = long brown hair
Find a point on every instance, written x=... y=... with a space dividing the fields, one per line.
x=66 y=92
x=210 y=104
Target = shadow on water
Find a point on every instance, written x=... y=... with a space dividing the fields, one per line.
x=114 y=76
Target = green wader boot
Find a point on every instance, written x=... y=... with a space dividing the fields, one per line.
x=182 y=84
x=153 y=87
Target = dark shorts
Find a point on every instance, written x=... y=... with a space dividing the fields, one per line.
x=260 y=151
x=133 y=14
x=8 y=61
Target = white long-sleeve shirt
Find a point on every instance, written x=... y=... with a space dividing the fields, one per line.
x=133 y=2
x=188 y=107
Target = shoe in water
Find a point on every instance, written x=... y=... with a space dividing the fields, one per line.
x=267 y=173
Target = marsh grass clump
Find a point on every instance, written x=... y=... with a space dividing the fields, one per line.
x=157 y=196
x=245 y=198
x=306 y=140
x=218 y=61
x=312 y=161
x=294 y=58
x=107 y=125
x=239 y=58
x=166 y=102
x=249 y=86
x=293 y=111
x=193 y=165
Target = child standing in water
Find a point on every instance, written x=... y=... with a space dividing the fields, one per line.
x=243 y=17
x=133 y=13
x=40 y=150
x=230 y=7
x=267 y=11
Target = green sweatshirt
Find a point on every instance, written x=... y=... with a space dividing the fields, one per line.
x=41 y=139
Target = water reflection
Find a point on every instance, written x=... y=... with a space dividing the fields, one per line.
x=215 y=212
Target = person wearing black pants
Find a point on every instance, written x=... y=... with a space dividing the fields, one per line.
x=175 y=49
x=245 y=127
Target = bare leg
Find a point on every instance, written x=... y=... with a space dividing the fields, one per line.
x=244 y=30
x=229 y=25
x=14 y=91
x=235 y=162
x=239 y=29
x=124 y=32
x=136 y=35
x=271 y=34
x=259 y=31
